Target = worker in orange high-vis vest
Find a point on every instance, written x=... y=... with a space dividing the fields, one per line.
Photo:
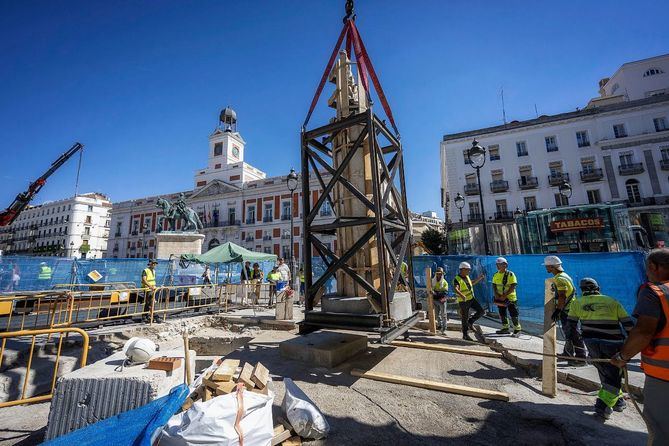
x=650 y=336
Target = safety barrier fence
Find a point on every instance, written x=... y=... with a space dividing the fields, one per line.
x=31 y=377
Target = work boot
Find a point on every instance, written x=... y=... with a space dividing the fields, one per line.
x=621 y=405
x=466 y=337
x=504 y=330
x=602 y=410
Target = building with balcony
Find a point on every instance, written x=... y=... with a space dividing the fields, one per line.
x=614 y=150
x=236 y=202
x=73 y=227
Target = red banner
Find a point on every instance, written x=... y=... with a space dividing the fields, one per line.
x=577 y=224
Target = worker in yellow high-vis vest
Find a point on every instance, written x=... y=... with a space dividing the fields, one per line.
x=464 y=291
x=504 y=284
x=439 y=290
x=149 y=286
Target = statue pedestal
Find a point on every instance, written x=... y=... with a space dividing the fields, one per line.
x=178 y=243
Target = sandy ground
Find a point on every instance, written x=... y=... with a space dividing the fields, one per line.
x=365 y=412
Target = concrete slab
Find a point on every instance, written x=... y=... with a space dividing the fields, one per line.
x=400 y=306
x=323 y=348
x=102 y=390
x=341 y=304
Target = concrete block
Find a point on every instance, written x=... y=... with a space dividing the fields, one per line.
x=339 y=304
x=400 y=306
x=102 y=390
x=178 y=243
x=323 y=348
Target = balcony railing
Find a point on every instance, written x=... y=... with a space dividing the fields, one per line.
x=267 y=237
x=267 y=219
x=630 y=169
x=118 y=234
x=558 y=178
x=592 y=175
x=134 y=233
x=499 y=186
x=249 y=239
x=471 y=189
x=285 y=237
x=250 y=221
x=285 y=217
x=503 y=215
x=528 y=183
x=664 y=164
x=474 y=218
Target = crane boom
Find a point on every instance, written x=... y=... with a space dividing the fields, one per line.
x=22 y=200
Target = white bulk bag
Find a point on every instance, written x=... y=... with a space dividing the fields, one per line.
x=302 y=413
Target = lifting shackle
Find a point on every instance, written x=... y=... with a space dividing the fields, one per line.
x=350 y=15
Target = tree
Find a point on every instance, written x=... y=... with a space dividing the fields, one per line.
x=434 y=241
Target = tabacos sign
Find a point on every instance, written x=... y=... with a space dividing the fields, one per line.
x=577 y=224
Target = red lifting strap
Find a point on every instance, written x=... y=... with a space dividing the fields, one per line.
x=364 y=67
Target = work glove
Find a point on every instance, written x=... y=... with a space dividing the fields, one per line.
x=556 y=315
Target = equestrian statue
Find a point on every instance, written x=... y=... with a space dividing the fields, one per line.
x=173 y=212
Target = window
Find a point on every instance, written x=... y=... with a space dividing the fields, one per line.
x=665 y=153
x=494 y=152
x=556 y=170
x=232 y=215
x=582 y=139
x=87 y=230
x=619 y=131
x=551 y=144
x=530 y=203
x=90 y=208
x=594 y=197
x=474 y=210
x=470 y=178
x=587 y=165
x=561 y=200
x=251 y=214
x=626 y=159
x=660 y=124
x=465 y=153
x=267 y=216
x=285 y=209
x=497 y=175
x=88 y=220
x=500 y=206
x=218 y=149
x=633 y=191
x=652 y=72
x=521 y=148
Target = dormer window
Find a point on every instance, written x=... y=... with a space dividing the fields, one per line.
x=218 y=149
x=652 y=72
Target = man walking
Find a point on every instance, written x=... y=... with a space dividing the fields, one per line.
x=149 y=286
x=44 y=276
x=464 y=290
x=504 y=284
x=604 y=324
x=245 y=274
x=650 y=336
x=564 y=296
x=439 y=289
x=284 y=270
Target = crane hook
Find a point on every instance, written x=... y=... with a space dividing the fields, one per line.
x=350 y=15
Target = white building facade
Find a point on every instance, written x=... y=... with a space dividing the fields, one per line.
x=235 y=201
x=73 y=227
x=614 y=150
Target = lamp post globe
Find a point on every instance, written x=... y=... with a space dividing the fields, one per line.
x=565 y=189
x=459 y=201
x=291 y=182
x=476 y=155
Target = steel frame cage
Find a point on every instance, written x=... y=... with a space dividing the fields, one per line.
x=389 y=217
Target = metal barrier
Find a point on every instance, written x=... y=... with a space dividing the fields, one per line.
x=63 y=331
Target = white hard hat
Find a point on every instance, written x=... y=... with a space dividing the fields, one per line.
x=552 y=261
x=464 y=265
x=139 y=350
x=501 y=260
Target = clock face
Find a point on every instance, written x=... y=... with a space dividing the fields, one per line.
x=235 y=151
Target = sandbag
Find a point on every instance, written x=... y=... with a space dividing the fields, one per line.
x=306 y=419
x=213 y=422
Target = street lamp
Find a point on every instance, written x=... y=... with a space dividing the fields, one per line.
x=476 y=156
x=565 y=190
x=460 y=203
x=291 y=182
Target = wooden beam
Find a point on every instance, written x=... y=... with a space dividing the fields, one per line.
x=447 y=348
x=432 y=385
x=549 y=363
x=430 y=302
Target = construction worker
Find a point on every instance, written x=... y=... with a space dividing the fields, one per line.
x=439 y=290
x=206 y=276
x=564 y=295
x=149 y=286
x=464 y=291
x=274 y=277
x=44 y=276
x=504 y=284
x=284 y=270
x=650 y=336
x=604 y=325
x=301 y=277
x=404 y=273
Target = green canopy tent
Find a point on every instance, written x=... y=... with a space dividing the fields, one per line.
x=227 y=254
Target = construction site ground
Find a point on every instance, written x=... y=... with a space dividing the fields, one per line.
x=366 y=412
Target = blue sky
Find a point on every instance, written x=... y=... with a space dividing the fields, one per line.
x=141 y=83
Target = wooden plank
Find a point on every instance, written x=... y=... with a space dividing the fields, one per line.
x=208 y=394
x=447 y=348
x=293 y=441
x=245 y=376
x=280 y=437
x=432 y=323
x=549 y=363
x=432 y=385
x=188 y=403
x=260 y=375
x=226 y=370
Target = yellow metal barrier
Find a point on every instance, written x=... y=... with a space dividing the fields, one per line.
x=34 y=333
